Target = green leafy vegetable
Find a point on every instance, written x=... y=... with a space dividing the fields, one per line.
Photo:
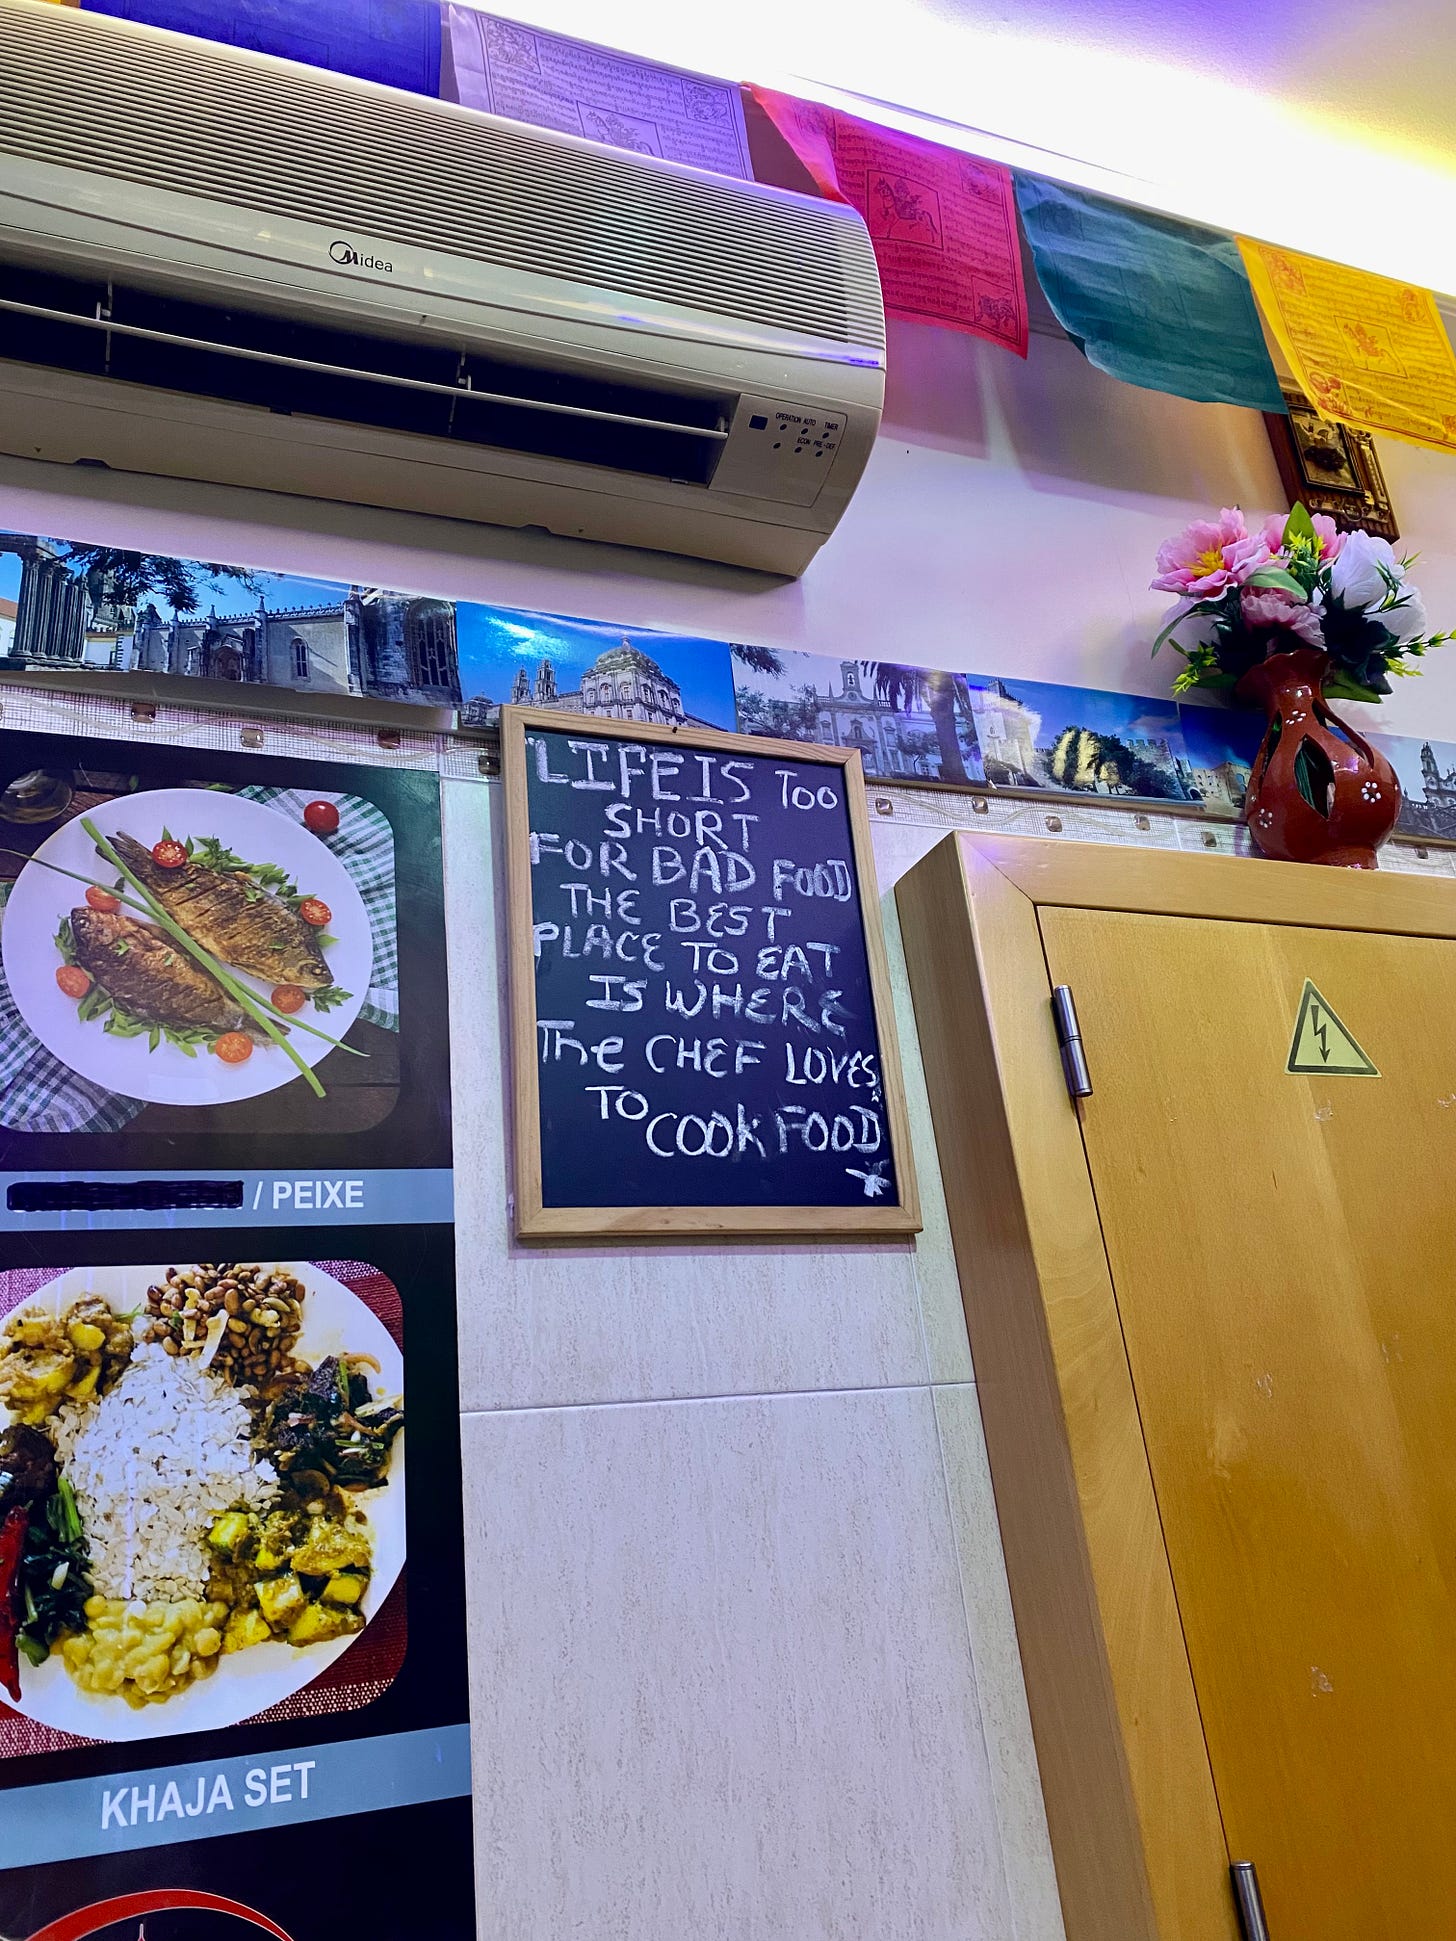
x=93 y=1005
x=210 y=853
x=329 y=997
x=55 y=1575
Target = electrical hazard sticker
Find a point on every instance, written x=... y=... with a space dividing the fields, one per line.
x=1322 y=1045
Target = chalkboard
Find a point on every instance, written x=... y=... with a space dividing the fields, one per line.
x=701 y=1027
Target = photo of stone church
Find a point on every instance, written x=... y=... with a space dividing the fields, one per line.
x=1427 y=774
x=909 y=723
x=274 y=629
x=1081 y=741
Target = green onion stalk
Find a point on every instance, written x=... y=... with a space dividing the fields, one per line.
x=151 y=909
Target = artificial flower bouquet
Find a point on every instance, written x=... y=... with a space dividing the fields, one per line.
x=1297 y=582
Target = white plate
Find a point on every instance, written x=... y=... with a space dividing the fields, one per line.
x=245 y=1682
x=167 y=1076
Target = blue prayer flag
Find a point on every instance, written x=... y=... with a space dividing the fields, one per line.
x=394 y=41
x=1149 y=299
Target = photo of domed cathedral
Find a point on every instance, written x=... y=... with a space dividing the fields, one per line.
x=621 y=684
x=545 y=660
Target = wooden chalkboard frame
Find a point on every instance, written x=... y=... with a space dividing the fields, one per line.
x=536 y=1221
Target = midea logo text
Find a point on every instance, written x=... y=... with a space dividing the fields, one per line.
x=343 y=252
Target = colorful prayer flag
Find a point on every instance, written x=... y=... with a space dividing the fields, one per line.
x=943 y=224
x=394 y=41
x=1366 y=351
x=552 y=81
x=1149 y=299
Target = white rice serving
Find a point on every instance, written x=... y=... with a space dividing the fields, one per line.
x=152 y=1464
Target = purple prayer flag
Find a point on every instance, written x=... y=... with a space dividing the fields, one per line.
x=394 y=41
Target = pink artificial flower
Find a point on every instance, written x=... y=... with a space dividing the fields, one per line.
x=1331 y=539
x=1272 y=607
x=1205 y=559
x=1273 y=534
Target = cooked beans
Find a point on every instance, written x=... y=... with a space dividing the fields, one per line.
x=262 y=1311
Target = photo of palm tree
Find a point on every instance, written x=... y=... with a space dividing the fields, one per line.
x=908 y=723
x=1077 y=740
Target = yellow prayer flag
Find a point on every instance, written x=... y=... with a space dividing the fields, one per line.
x=1366 y=351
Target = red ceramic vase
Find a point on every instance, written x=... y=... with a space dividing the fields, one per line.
x=1319 y=792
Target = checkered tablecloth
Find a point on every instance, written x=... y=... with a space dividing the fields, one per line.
x=40 y=1094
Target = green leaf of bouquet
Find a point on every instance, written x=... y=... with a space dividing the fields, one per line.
x=1174 y=624
x=1276 y=576
x=1299 y=525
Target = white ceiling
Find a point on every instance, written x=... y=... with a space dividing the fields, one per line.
x=1384 y=69
x=1326 y=125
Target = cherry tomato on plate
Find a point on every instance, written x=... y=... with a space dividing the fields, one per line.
x=102 y=900
x=73 y=980
x=289 y=997
x=168 y=854
x=321 y=817
x=234 y=1047
x=313 y=910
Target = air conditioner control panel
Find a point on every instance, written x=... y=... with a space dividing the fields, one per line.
x=779 y=451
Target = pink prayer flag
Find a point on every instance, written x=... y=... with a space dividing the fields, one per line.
x=943 y=224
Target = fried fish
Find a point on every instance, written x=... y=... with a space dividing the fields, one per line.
x=239 y=923
x=149 y=974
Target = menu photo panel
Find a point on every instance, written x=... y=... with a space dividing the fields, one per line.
x=232 y=1582
x=222 y=987
x=231 y=1567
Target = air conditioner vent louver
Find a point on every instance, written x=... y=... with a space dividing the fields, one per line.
x=381 y=166
x=281 y=365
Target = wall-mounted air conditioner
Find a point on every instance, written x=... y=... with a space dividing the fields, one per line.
x=217 y=265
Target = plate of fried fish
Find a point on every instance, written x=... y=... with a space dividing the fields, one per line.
x=187 y=947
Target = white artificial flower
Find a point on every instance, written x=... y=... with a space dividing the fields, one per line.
x=1358 y=578
x=1408 y=620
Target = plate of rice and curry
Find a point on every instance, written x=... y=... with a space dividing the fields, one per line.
x=189 y=946
x=201 y=1492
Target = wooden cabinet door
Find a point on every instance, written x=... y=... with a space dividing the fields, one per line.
x=1283 y=1253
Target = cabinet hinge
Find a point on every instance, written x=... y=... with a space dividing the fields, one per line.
x=1250 y=1902
x=1069 y=1042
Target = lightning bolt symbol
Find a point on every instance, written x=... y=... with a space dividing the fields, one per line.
x=1321 y=1031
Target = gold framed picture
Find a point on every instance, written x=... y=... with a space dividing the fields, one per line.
x=1330 y=468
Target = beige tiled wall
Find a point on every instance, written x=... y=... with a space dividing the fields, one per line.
x=743 y=1660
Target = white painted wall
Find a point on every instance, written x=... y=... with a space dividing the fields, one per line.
x=743 y=1660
